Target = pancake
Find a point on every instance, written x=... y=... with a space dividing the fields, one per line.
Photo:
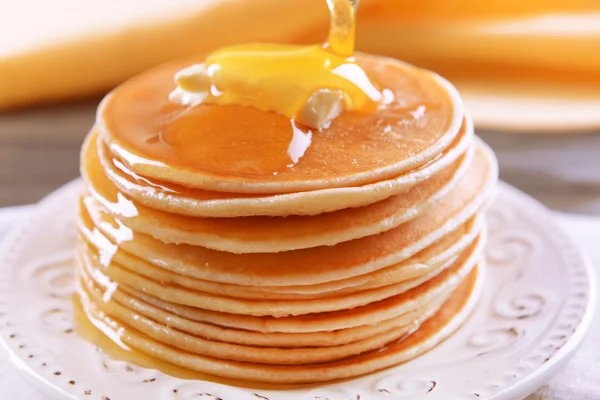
x=305 y=325
x=438 y=255
x=430 y=333
x=200 y=203
x=239 y=149
x=260 y=307
x=320 y=264
x=171 y=336
x=374 y=312
x=267 y=234
x=264 y=339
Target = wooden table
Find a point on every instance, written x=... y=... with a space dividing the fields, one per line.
x=39 y=151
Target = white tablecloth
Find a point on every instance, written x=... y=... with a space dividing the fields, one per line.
x=580 y=380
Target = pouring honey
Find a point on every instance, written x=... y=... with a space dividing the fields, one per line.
x=311 y=85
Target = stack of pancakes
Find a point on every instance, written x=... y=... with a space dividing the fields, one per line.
x=205 y=244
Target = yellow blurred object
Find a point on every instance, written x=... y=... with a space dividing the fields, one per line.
x=561 y=47
x=308 y=84
x=450 y=9
x=63 y=49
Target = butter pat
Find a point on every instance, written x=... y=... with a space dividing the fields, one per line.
x=322 y=107
x=193 y=79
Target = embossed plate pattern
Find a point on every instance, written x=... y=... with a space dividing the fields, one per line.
x=535 y=308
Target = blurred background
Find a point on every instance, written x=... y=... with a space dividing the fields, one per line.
x=529 y=72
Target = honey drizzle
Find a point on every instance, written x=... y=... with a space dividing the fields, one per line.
x=309 y=84
x=343 y=27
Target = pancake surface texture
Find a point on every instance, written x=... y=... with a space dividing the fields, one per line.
x=210 y=243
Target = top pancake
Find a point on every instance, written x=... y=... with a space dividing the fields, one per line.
x=179 y=199
x=246 y=150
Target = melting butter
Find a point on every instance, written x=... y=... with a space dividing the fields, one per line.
x=311 y=85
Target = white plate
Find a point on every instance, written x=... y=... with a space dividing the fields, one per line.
x=533 y=315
